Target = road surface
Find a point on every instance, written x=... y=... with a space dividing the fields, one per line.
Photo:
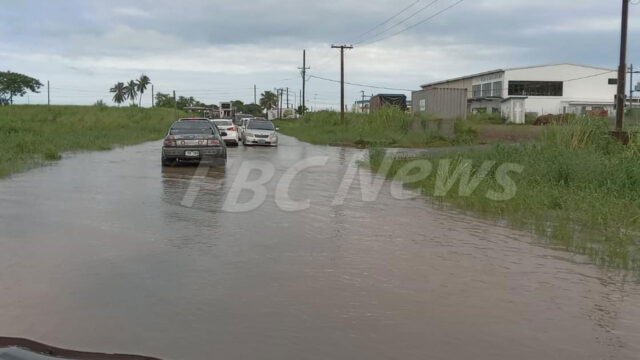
x=98 y=252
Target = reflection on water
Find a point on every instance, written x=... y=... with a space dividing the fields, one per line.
x=110 y=252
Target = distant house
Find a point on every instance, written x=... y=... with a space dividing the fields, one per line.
x=546 y=89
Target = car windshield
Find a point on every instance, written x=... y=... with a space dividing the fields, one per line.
x=191 y=127
x=223 y=123
x=260 y=125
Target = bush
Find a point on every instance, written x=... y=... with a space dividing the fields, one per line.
x=486 y=118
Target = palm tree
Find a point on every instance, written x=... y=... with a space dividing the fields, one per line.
x=119 y=93
x=131 y=91
x=141 y=85
x=268 y=100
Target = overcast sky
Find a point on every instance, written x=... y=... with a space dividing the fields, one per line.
x=217 y=50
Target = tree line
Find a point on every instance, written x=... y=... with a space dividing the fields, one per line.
x=17 y=85
x=268 y=101
x=129 y=91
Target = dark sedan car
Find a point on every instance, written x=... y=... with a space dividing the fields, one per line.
x=194 y=140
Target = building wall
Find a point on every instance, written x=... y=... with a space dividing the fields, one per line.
x=456 y=84
x=587 y=85
x=584 y=88
x=445 y=103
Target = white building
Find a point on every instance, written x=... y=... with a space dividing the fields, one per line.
x=360 y=106
x=546 y=89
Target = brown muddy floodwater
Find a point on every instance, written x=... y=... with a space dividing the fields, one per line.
x=98 y=254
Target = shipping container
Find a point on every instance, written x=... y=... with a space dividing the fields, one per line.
x=445 y=103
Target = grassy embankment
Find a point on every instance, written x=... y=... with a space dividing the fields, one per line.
x=391 y=128
x=388 y=127
x=579 y=189
x=34 y=135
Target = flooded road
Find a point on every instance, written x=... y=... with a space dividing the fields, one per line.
x=99 y=253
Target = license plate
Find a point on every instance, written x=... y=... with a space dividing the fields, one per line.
x=261 y=141
x=192 y=153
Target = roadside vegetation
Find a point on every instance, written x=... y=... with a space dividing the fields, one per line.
x=578 y=188
x=388 y=127
x=34 y=135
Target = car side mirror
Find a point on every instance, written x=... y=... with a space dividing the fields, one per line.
x=224 y=133
x=277 y=129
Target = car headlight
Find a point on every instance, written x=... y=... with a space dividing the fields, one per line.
x=273 y=136
x=248 y=134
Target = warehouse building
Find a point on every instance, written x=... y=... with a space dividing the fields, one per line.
x=546 y=89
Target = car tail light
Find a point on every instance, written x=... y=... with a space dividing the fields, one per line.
x=169 y=142
x=213 y=142
x=233 y=128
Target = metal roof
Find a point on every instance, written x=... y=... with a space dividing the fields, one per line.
x=511 y=69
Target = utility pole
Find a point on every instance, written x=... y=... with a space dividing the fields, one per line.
x=287 y=97
x=622 y=73
x=280 y=91
x=48 y=94
x=153 y=103
x=362 y=103
x=255 y=96
x=630 y=86
x=341 y=47
x=304 y=77
x=631 y=91
x=295 y=102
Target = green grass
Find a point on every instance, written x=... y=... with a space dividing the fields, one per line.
x=578 y=188
x=34 y=135
x=386 y=127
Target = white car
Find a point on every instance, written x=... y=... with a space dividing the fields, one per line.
x=260 y=132
x=232 y=137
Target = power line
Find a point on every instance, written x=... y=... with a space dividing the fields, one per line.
x=400 y=23
x=354 y=84
x=418 y=23
x=386 y=21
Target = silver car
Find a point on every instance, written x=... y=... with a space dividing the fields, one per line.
x=260 y=132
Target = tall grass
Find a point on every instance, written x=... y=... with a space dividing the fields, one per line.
x=33 y=135
x=386 y=127
x=579 y=189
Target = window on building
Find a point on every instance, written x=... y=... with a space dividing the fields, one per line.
x=477 y=91
x=486 y=90
x=497 y=88
x=535 y=88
